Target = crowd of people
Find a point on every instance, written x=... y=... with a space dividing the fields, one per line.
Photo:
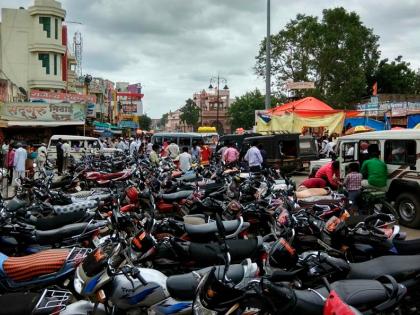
x=372 y=175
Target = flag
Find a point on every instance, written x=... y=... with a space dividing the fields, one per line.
x=265 y=118
x=375 y=89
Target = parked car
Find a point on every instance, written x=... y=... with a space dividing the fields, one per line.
x=79 y=146
x=288 y=151
x=400 y=150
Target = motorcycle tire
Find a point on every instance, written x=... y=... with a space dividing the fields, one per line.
x=386 y=207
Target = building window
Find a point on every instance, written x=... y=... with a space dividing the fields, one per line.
x=45 y=58
x=55 y=64
x=46 y=24
x=56 y=29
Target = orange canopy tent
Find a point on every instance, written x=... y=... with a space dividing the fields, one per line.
x=308 y=106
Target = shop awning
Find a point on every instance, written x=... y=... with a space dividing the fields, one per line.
x=29 y=123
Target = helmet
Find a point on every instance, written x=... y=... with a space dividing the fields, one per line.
x=282 y=255
x=132 y=194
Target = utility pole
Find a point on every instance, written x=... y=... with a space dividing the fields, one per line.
x=217 y=81
x=268 y=62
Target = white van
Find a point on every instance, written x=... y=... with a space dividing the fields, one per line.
x=400 y=150
x=79 y=145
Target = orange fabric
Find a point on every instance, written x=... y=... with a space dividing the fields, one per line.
x=308 y=106
x=28 y=267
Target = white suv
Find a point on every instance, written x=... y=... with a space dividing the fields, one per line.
x=400 y=150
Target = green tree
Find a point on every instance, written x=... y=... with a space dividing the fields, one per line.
x=396 y=77
x=163 y=120
x=190 y=114
x=145 y=122
x=242 y=110
x=339 y=53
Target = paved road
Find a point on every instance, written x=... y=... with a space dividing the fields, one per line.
x=411 y=233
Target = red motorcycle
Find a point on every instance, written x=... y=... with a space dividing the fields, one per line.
x=94 y=179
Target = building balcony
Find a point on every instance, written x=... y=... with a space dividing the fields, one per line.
x=47 y=7
x=47 y=47
x=46 y=84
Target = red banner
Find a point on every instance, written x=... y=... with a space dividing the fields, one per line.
x=63 y=97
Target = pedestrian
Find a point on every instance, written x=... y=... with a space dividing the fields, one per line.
x=66 y=154
x=353 y=184
x=4 y=151
x=222 y=150
x=254 y=158
x=173 y=150
x=20 y=161
x=10 y=160
x=41 y=157
x=60 y=156
x=330 y=172
x=133 y=146
x=164 y=152
x=231 y=155
x=185 y=160
x=263 y=155
x=149 y=147
x=153 y=156
x=195 y=152
x=205 y=153
x=328 y=149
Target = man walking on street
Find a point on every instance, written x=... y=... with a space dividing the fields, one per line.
x=66 y=154
x=20 y=160
x=254 y=158
x=231 y=155
x=41 y=156
x=60 y=156
x=10 y=160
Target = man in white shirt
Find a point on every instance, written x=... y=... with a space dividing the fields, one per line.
x=66 y=153
x=173 y=150
x=254 y=158
x=133 y=146
x=185 y=160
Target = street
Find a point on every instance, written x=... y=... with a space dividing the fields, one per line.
x=411 y=233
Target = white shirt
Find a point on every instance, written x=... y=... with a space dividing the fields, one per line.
x=253 y=156
x=133 y=147
x=20 y=158
x=42 y=153
x=173 y=150
x=185 y=161
x=149 y=147
x=329 y=148
x=66 y=149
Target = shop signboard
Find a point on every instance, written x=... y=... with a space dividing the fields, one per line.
x=128 y=124
x=300 y=85
x=43 y=111
x=58 y=97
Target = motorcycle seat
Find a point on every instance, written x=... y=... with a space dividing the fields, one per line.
x=195 y=219
x=57 y=221
x=78 y=206
x=399 y=267
x=187 y=177
x=407 y=247
x=362 y=294
x=211 y=228
x=42 y=263
x=67 y=231
x=177 y=195
x=18 y=303
x=210 y=254
x=183 y=287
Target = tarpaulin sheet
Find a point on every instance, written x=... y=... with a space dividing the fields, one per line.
x=294 y=123
x=413 y=120
x=365 y=121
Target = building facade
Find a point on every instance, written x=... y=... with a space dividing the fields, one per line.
x=32 y=48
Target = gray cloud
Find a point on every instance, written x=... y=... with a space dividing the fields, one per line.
x=174 y=46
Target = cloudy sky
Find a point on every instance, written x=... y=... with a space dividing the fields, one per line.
x=173 y=47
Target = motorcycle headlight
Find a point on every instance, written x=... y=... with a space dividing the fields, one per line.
x=200 y=309
x=78 y=285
